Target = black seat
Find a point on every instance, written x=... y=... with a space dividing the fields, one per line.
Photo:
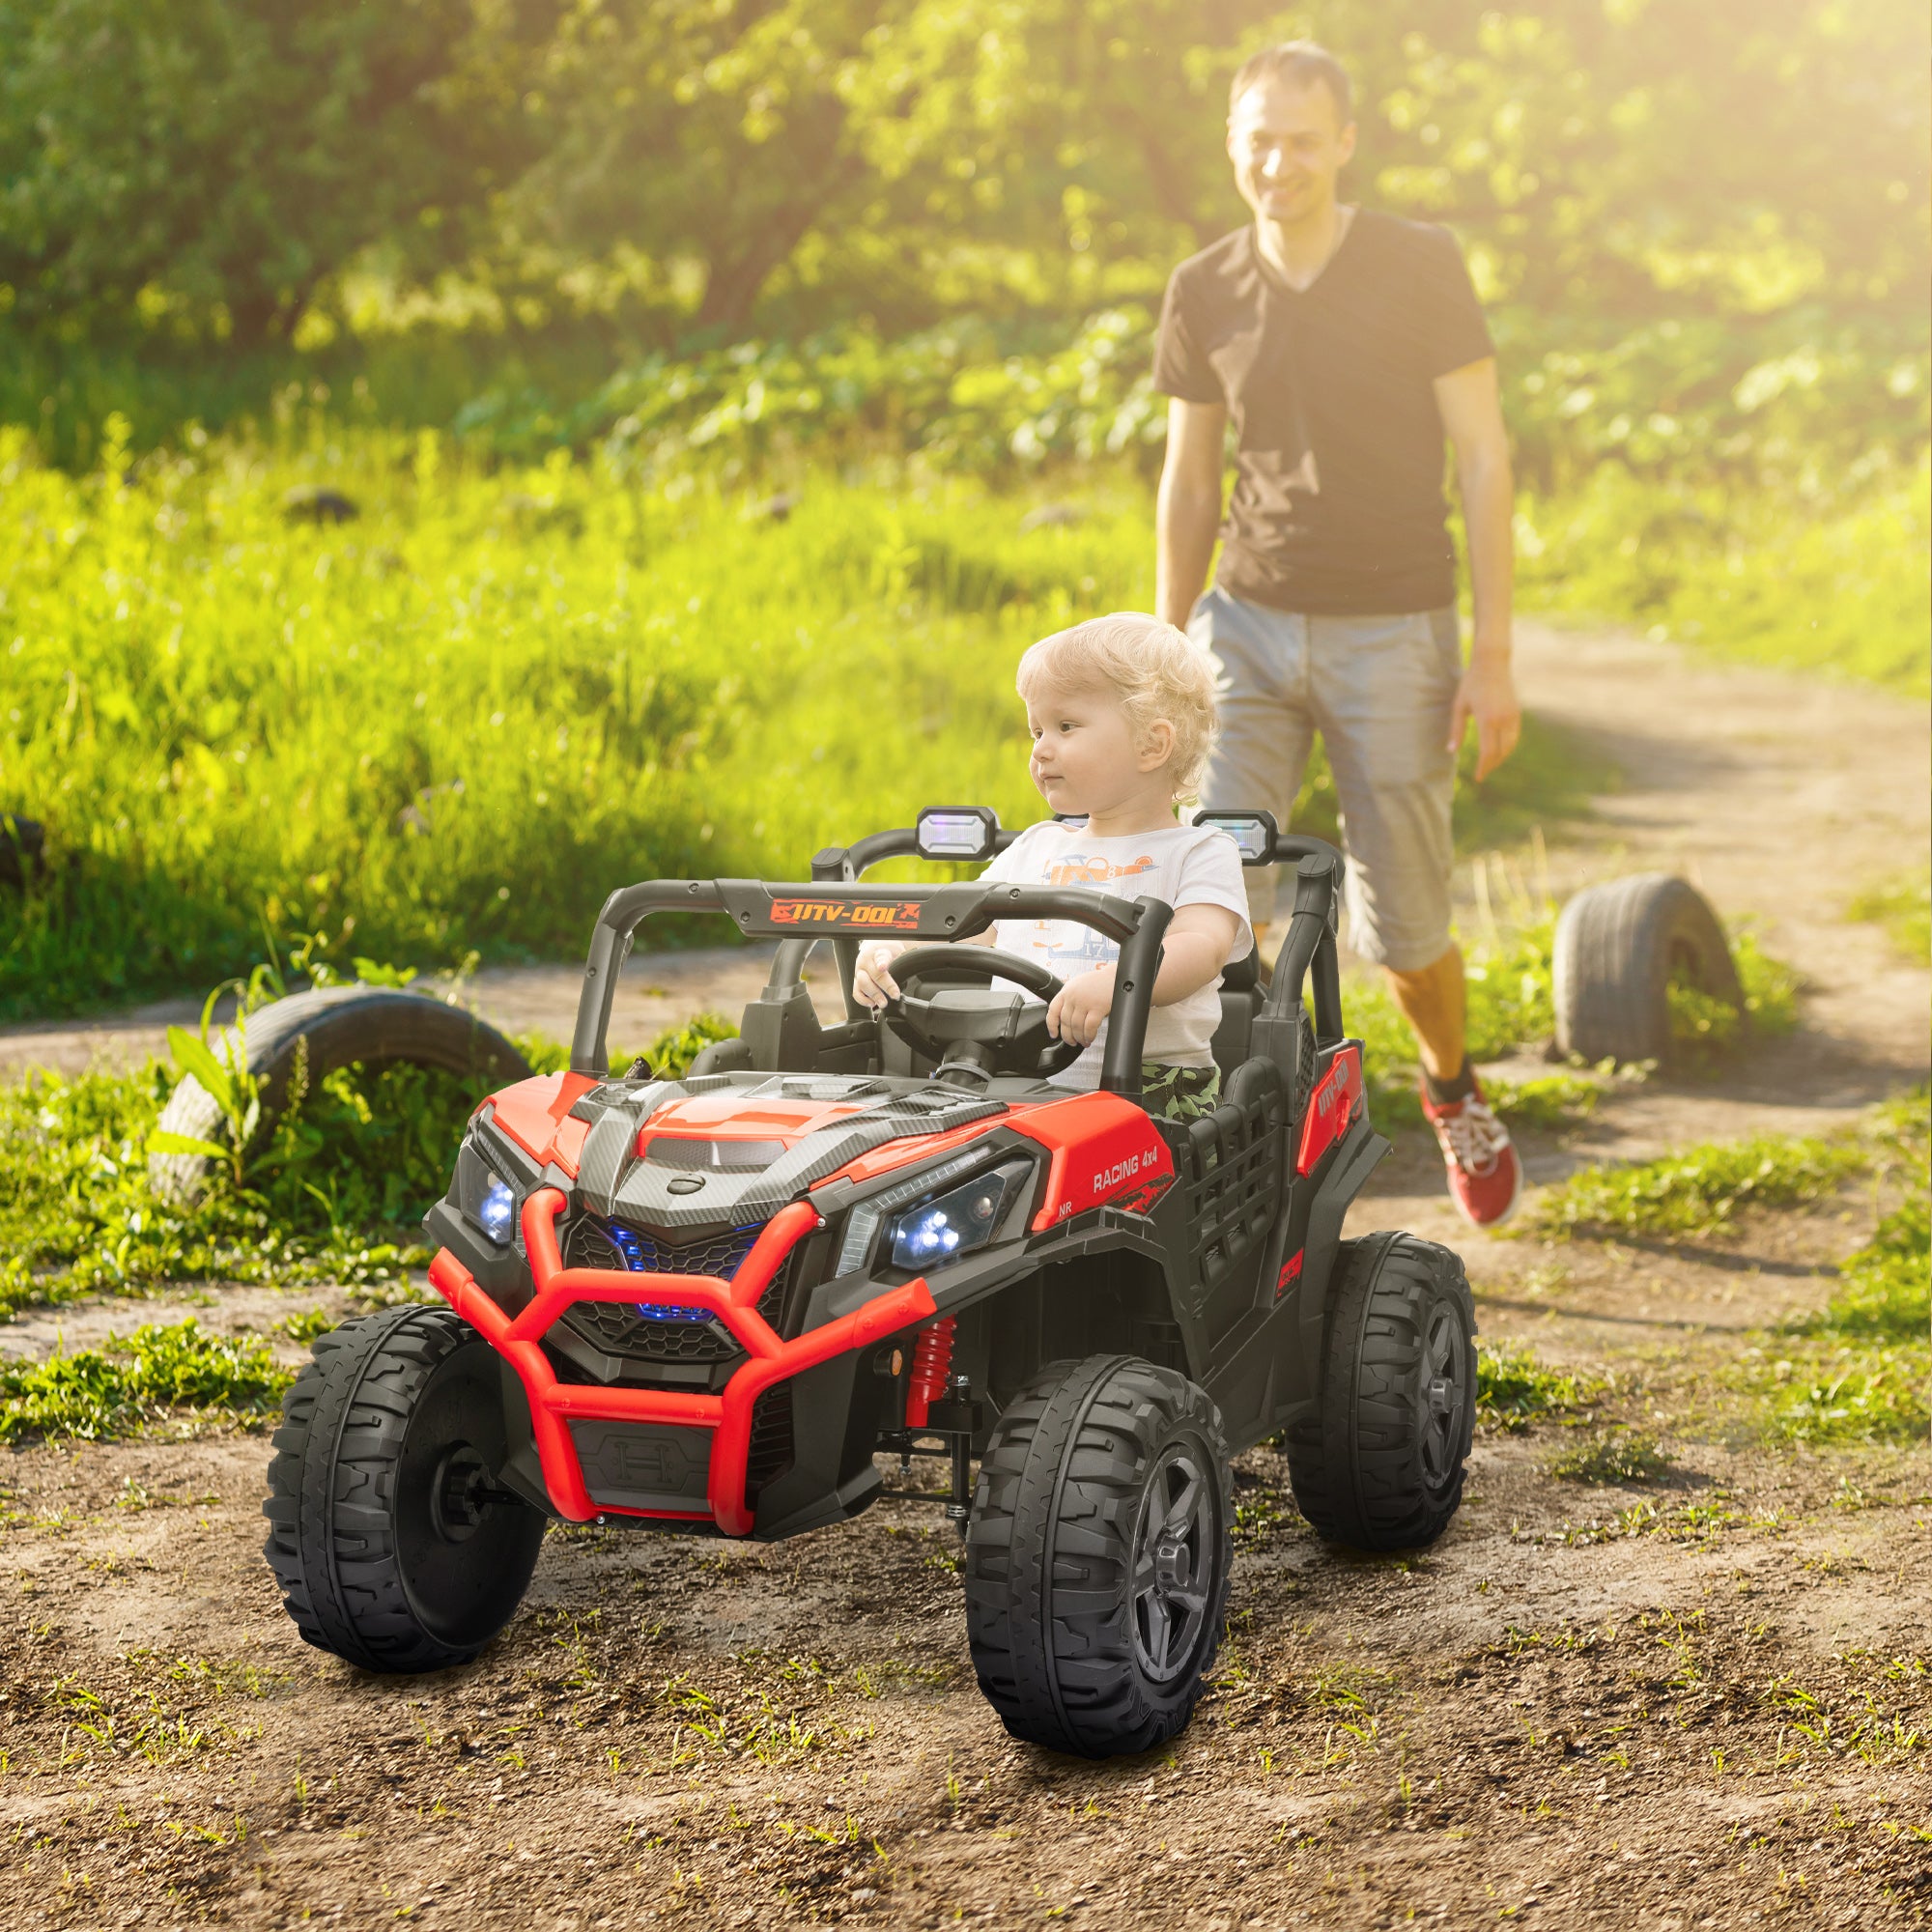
x=1241 y=999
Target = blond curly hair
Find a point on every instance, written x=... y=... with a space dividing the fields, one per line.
x=1154 y=671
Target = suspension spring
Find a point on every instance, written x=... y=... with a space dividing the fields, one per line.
x=931 y=1358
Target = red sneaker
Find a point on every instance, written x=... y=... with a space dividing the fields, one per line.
x=1485 y=1174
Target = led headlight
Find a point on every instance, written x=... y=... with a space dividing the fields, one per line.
x=940 y=1231
x=496 y=1214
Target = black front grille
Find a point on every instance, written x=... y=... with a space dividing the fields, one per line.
x=675 y=1334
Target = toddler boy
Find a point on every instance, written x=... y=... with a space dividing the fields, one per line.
x=1121 y=713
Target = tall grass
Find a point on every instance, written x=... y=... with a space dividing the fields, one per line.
x=1833 y=585
x=334 y=1190
x=459 y=720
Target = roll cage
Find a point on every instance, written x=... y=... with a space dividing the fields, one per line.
x=838 y=908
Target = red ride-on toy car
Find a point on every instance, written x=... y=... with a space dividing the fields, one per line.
x=712 y=1304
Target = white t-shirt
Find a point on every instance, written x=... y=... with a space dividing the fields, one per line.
x=1183 y=865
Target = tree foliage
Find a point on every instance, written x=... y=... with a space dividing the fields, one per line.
x=1688 y=217
x=215 y=161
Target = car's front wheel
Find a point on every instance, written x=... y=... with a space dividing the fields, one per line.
x=1098 y=1556
x=394 y=1546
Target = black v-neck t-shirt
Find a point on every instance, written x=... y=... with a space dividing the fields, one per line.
x=1338 y=504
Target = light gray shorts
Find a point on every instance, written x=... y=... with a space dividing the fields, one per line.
x=1380 y=690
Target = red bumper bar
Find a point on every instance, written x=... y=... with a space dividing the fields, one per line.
x=734 y=1302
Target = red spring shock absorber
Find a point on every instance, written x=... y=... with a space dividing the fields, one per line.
x=931 y=1358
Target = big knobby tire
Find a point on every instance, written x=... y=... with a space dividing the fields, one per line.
x=393 y=1546
x=1619 y=947
x=1098 y=1556
x=1379 y=1464
x=292 y=1043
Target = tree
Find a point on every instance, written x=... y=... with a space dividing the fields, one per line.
x=223 y=158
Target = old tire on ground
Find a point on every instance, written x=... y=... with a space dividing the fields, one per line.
x=1098 y=1556
x=317 y=1031
x=1379 y=1464
x=1619 y=947
x=393 y=1546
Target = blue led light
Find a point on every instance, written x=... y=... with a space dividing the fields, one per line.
x=666 y=1311
x=629 y=1246
x=496 y=1211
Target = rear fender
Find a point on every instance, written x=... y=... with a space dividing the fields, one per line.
x=1302 y=1292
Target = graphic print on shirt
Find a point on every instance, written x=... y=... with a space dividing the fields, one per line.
x=1070 y=949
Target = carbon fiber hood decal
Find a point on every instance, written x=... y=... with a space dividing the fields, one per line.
x=613 y=1182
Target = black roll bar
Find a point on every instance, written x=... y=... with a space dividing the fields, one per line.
x=1308 y=948
x=898 y=912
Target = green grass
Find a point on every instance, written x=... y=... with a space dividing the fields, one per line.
x=457 y=722
x=159 y=1373
x=1708 y=1031
x=1550 y=1103
x=1860 y=1368
x=1903 y=906
x=336 y=1192
x=1619 y=1456
x=1832 y=587
x=1516 y=1390
x=1697 y=1189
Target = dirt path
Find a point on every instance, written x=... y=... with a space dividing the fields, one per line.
x=1699 y=1702
x=1780 y=798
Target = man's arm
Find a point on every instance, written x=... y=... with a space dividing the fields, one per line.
x=1188 y=512
x=1472 y=415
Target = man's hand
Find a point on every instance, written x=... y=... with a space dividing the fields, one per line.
x=1079 y=1008
x=872 y=983
x=1487 y=693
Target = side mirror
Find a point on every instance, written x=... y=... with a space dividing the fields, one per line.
x=957 y=832
x=1254 y=833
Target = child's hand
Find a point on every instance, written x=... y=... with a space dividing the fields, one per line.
x=1081 y=1005
x=872 y=984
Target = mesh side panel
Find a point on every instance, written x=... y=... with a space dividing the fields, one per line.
x=770 y=1303
x=1230 y=1163
x=770 y=1452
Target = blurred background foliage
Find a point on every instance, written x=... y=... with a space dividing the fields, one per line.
x=1701 y=225
x=704 y=381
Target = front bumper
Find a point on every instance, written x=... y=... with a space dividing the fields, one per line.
x=728 y=1416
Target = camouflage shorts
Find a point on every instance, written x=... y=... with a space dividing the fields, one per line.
x=1179 y=1093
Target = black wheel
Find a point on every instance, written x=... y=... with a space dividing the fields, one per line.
x=317 y=1031
x=1379 y=1465
x=1098 y=1556
x=1619 y=950
x=393 y=1545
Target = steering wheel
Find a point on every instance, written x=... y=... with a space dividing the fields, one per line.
x=993 y=1032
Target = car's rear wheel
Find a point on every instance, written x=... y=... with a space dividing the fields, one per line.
x=1098 y=1556
x=392 y=1542
x=1379 y=1464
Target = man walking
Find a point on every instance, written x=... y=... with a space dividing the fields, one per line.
x=1345 y=344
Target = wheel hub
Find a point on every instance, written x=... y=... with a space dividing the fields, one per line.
x=1174 y=1551
x=1173 y=1565
x=1442 y=1398
x=459 y=1495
